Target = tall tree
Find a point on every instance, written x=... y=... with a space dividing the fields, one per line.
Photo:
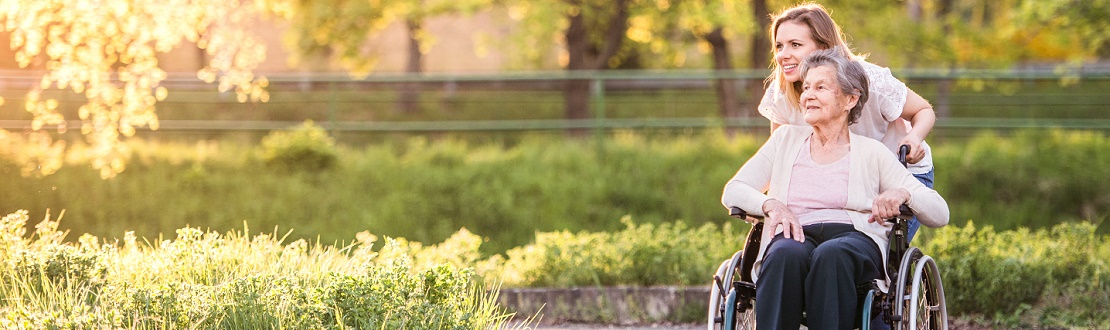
x=105 y=51
x=341 y=28
x=593 y=35
x=600 y=35
x=714 y=25
x=761 y=46
x=610 y=18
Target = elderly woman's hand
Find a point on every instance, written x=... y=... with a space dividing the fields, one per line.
x=779 y=215
x=887 y=203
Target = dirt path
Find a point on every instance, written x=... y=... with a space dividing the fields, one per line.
x=620 y=327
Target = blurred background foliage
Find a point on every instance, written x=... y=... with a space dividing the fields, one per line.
x=635 y=206
x=118 y=77
x=508 y=189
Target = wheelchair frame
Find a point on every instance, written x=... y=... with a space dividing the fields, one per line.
x=914 y=301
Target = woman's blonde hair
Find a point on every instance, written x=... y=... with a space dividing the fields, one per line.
x=824 y=31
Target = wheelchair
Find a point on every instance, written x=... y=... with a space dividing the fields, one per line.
x=914 y=301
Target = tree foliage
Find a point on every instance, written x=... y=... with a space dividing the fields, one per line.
x=611 y=31
x=341 y=28
x=105 y=51
x=684 y=24
x=975 y=34
x=1087 y=22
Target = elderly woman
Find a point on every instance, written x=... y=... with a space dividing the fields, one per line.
x=828 y=193
x=895 y=114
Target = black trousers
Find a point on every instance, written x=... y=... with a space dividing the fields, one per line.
x=818 y=277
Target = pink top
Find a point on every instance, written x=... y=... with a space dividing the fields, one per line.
x=818 y=193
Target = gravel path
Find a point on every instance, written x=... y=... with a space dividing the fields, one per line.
x=621 y=327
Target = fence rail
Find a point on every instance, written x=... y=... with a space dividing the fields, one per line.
x=972 y=99
x=561 y=124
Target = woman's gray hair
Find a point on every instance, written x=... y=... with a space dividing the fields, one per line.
x=850 y=76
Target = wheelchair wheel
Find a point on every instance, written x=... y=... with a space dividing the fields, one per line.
x=865 y=310
x=927 y=306
x=920 y=296
x=736 y=316
x=718 y=298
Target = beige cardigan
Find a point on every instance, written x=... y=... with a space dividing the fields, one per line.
x=873 y=169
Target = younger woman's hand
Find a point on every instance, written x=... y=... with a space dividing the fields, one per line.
x=917 y=152
x=779 y=215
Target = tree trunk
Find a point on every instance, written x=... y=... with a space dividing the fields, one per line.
x=577 y=91
x=761 y=53
x=913 y=10
x=726 y=88
x=944 y=87
x=409 y=100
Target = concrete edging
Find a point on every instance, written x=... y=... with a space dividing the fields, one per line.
x=611 y=305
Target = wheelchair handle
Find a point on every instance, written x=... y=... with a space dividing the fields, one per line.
x=903 y=152
x=905 y=210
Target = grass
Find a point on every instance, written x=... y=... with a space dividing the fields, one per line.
x=425 y=189
x=202 y=279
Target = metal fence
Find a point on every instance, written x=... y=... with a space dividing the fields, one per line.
x=533 y=101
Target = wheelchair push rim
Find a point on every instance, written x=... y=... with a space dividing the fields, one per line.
x=736 y=316
x=725 y=302
x=929 y=309
x=920 y=302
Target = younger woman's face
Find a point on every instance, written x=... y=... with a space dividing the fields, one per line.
x=793 y=42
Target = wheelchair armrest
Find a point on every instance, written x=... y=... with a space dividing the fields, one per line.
x=739 y=213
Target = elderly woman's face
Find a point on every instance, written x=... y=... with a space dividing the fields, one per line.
x=821 y=97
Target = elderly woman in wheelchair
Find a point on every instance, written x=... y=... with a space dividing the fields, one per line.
x=828 y=196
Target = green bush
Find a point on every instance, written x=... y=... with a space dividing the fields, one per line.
x=1023 y=278
x=389 y=297
x=307 y=147
x=1030 y=179
x=640 y=254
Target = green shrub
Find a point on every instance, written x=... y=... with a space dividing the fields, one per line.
x=390 y=296
x=988 y=272
x=307 y=147
x=1033 y=178
x=1023 y=278
x=641 y=254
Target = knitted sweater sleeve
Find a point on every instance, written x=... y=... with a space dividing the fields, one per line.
x=746 y=189
x=929 y=207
